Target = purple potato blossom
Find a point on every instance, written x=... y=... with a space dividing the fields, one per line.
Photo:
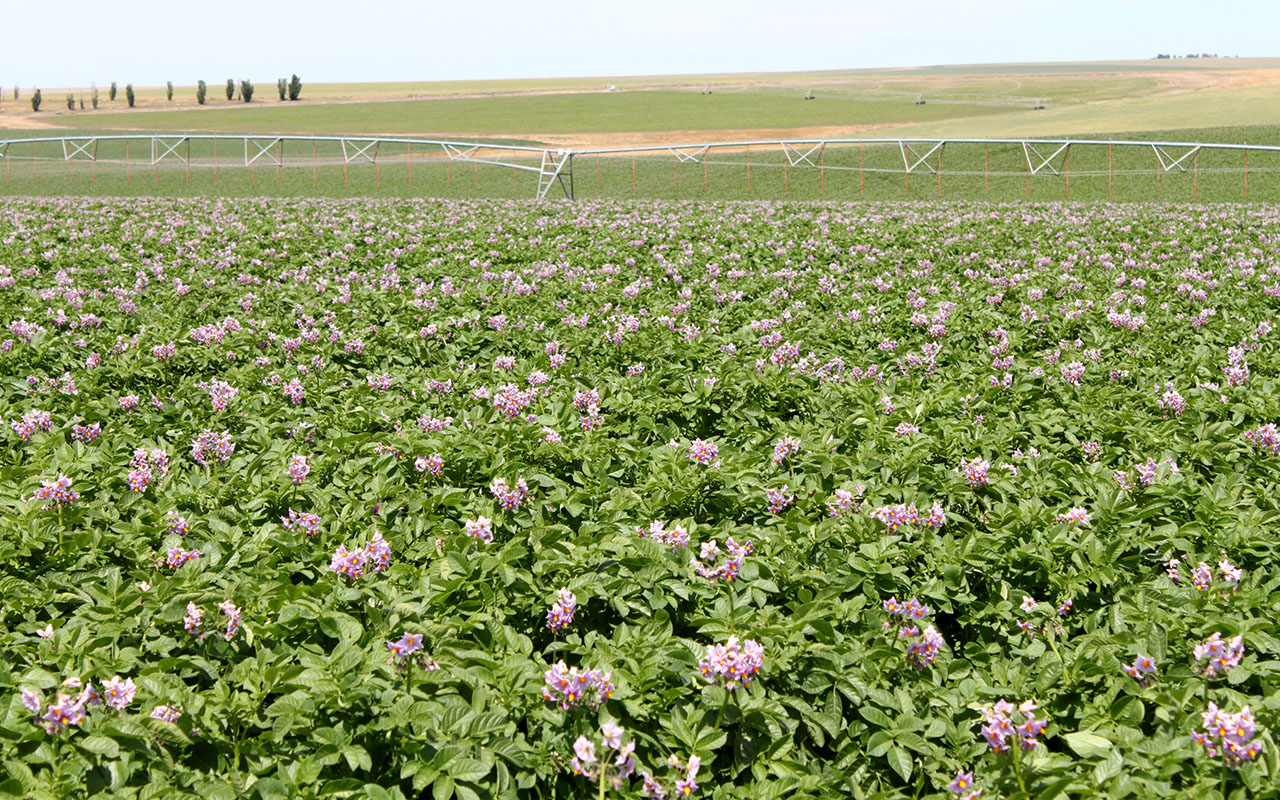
x=732 y=664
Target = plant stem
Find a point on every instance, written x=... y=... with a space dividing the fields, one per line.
x=604 y=768
x=1017 y=766
x=720 y=714
x=733 y=610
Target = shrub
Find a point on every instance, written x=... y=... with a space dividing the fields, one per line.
x=202 y=92
x=168 y=90
x=71 y=102
x=246 y=91
x=111 y=93
x=231 y=89
x=282 y=86
x=295 y=87
x=128 y=94
x=93 y=97
x=35 y=101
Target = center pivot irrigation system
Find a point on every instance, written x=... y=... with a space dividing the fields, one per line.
x=555 y=167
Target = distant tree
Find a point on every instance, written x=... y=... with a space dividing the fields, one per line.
x=35 y=101
x=128 y=93
x=282 y=86
x=15 y=91
x=246 y=91
x=295 y=87
x=93 y=97
x=111 y=93
x=202 y=91
x=231 y=89
x=71 y=102
x=168 y=90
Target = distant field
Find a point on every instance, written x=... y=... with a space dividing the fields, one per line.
x=525 y=115
x=1236 y=100
x=971 y=100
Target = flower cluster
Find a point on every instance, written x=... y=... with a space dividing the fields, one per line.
x=731 y=664
x=898 y=516
x=1000 y=730
x=118 y=694
x=232 y=613
x=1229 y=736
x=684 y=784
x=433 y=464
x=585 y=401
x=675 y=538
x=1265 y=438
x=221 y=393
x=922 y=646
x=31 y=422
x=726 y=570
x=1091 y=450
x=176 y=557
x=1170 y=400
x=298 y=469
x=784 y=449
x=193 y=622
x=307 y=522
x=1202 y=575
x=570 y=687
x=433 y=425
x=593 y=767
x=86 y=433
x=146 y=467
x=1149 y=473
x=294 y=391
x=511 y=401
x=1072 y=373
x=508 y=497
x=779 y=499
x=480 y=529
x=1074 y=517
x=912 y=609
x=376 y=556
x=1219 y=657
x=404 y=653
x=704 y=453
x=844 y=502
x=210 y=448
x=975 y=471
x=68 y=709
x=562 y=610
x=56 y=493
x=1143 y=670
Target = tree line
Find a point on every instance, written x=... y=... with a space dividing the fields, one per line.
x=288 y=89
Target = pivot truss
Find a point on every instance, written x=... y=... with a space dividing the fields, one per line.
x=554 y=166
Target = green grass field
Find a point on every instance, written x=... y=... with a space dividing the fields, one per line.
x=527 y=115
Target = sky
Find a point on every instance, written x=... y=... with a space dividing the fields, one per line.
x=70 y=43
